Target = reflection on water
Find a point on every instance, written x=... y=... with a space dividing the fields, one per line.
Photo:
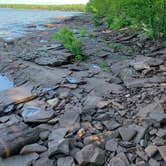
x=5 y=83
x=14 y=22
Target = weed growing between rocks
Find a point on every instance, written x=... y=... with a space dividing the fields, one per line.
x=70 y=42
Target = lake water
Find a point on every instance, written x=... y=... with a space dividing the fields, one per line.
x=5 y=83
x=14 y=22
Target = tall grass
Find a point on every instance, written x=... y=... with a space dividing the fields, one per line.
x=71 y=7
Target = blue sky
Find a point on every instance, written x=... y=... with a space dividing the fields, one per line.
x=44 y=1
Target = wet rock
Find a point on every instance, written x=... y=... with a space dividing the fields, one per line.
x=151 y=150
x=36 y=114
x=44 y=162
x=70 y=119
x=111 y=125
x=15 y=135
x=119 y=160
x=53 y=102
x=66 y=161
x=20 y=160
x=153 y=107
x=33 y=148
x=90 y=155
x=57 y=143
x=127 y=133
x=162 y=150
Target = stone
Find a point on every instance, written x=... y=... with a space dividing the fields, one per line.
x=53 y=102
x=153 y=107
x=19 y=160
x=44 y=135
x=153 y=162
x=140 y=133
x=14 y=135
x=161 y=133
x=15 y=96
x=90 y=155
x=162 y=150
x=51 y=60
x=111 y=145
x=103 y=104
x=44 y=162
x=36 y=114
x=91 y=103
x=157 y=116
x=119 y=160
x=33 y=148
x=70 y=120
x=111 y=125
x=141 y=163
x=57 y=143
x=127 y=133
x=74 y=80
x=65 y=161
x=151 y=150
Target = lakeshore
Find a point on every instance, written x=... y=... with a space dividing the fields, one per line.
x=60 y=110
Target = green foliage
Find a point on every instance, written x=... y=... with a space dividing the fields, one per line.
x=70 y=42
x=136 y=13
x=104 y=65
x=72 y=7
x=83 y=32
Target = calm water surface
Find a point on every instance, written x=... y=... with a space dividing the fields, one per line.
x=14 y=22
x=5 y=83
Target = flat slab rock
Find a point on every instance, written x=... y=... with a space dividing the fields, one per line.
x=15 y=96
x=14 y=135
x=36 y=114
x=19 y=160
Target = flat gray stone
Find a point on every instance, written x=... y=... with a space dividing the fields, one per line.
x=127 y=133
x=90 y=155
x=36 y=114
x=20 y=160
x=65 y=161
x=162 y=150
x=119 y=160
x=56 y=142
x=33 y=148
x=111 y=125
x=153 y=107
x=70 y=120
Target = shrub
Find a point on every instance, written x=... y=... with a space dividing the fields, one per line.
x=70 y=42
x=140 y=13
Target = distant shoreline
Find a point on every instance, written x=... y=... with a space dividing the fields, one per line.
x=68 y=7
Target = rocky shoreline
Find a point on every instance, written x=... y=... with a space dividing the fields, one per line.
x=108 y=110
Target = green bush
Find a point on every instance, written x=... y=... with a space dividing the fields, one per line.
x=70 y=42
x=147 y=15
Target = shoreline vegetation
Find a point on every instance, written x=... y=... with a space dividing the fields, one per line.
x=68 y=7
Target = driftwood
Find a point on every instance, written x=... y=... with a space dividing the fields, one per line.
x=14 y=136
